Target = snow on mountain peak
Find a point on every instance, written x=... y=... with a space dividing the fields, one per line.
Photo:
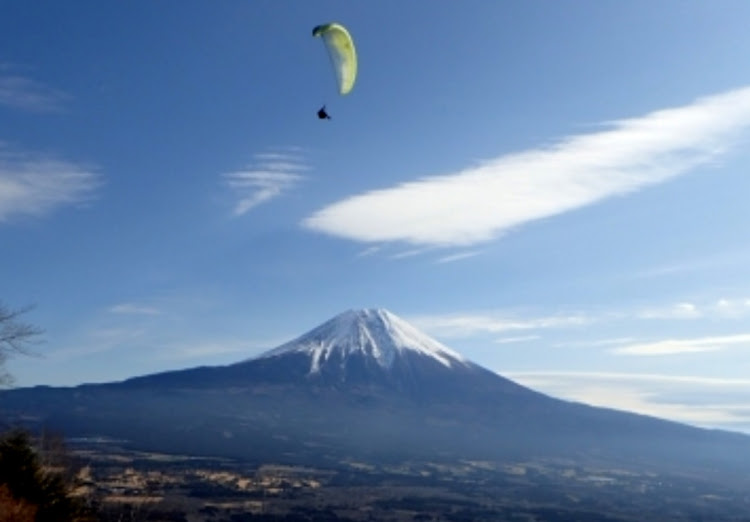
x=375 y=333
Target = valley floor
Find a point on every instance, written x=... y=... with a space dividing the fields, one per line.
x=131 y=485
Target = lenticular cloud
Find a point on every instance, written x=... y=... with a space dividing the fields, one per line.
x=480 y=202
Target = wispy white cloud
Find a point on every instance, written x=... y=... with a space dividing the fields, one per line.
x=732 y=308
x=21 y=92
x=255 y=187
x=368 y=251
x=676 y=311
x=481 y=202
x=700 y=400
x=158 y=344
x=737 y=256
x=210 y=349
x=464 y=325
x=275 y=156
x=458 y=256
x=100 y=340
x=134 y=309
x=708 y=308
x=213 y=350
x=35 y=184
x=517 y=339
x=409 y=253
x=283 y=166
x=274 y=174
x=608 y=377
x=614 y=341
x=470 y=323
x=678 y=346
x=703 y=308
x=285 y=153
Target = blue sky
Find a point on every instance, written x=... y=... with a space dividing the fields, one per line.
x=556 y=190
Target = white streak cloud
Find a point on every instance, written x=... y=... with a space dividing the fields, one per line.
x=465 y=325
x=134 y=309
x=35 y=184
x=20 y=92
x=700 y=400
x=517 y=339
x=544 y=377
x=211 y=349
x=722 y=308
x=409 y=253
x=732 y=308
x=481 y=202
x=275 y=174
x=677 y=311
x=678 y=346
x=458 y=256
x=368 y=251
x=477 y=322
x=615 y=341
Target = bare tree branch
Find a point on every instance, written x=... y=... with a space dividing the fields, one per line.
x=16 y=337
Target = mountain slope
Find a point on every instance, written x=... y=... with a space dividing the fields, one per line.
x=363 y=383
x=356 y=351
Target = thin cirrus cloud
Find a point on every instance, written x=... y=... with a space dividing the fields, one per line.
x=517 y=339
x=732 y=308
x=209 y=349
x=677 y=311
x=543 y=377
x=409 y=253
x=458 y=256
x=101 y=340
x=470 y=323
x=481 y=202
x=738 y=256
x=723 y=308
x=35 y=184
x=24 y=93
x=465 y=325
x=273 y=174
x=134 y=309
x=682 y=346
x=702 y=400
x=368 y=251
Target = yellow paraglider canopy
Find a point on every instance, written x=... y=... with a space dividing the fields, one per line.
x=340 y=47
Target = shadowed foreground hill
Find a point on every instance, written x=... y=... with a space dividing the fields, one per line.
x=32 y=490
x=365 y=383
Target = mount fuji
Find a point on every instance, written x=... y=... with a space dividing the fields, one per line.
x=364 y=383
x=368 y=336
x=358 y=353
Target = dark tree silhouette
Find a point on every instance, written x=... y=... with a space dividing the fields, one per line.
x=13 y=509
x=16 y=337
x=28 y=486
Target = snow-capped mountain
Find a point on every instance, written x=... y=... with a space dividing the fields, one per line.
x=358 y=351
x=375 y=349
x=365 y=381
x=375 y=334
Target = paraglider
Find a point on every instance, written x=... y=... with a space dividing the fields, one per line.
x=340 y=48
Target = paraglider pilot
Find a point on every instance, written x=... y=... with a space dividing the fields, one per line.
x=322 y=114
